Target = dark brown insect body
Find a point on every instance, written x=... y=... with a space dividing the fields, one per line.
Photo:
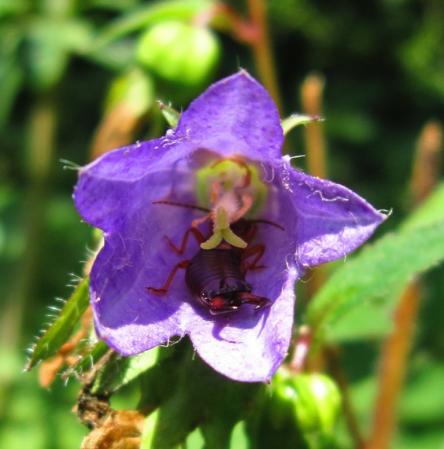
x=216 y=277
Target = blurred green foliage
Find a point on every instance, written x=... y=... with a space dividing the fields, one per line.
x=63 y=66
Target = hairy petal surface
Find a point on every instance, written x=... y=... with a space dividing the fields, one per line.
x=331 y=220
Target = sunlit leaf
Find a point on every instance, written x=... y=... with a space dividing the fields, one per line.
x=358 y=299
x=13 y=7
x=239 y=437
x=431 y=211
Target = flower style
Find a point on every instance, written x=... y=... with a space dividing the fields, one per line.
x=129 y=194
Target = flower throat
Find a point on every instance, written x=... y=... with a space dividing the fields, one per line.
x=231 y=189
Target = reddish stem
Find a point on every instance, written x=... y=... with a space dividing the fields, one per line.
x=311 y=96
x=396 y=348
x=262 y=49
x=393 y=369
x=254 y=32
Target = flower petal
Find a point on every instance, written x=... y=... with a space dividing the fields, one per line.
x=248 y=347
x=122 y=181
x=331 y=220
x=127 y=316
x=234 y=116
x=306 y=221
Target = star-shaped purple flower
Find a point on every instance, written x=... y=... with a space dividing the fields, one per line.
x=319 y=221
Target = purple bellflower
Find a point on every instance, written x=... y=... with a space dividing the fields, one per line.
x=140 y=194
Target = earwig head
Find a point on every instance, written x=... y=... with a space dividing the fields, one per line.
x=221 y=302
x=230 y=301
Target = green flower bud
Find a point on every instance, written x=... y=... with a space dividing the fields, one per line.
x=313 y=400
x=179 y=52
x=282 y=403
x=318 y=404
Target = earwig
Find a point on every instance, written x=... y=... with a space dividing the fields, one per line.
x=216 y=273
x=216 y=277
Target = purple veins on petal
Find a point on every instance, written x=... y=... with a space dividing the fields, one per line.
x=318 y=221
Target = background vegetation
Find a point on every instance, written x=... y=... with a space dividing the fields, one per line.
x=79 y=77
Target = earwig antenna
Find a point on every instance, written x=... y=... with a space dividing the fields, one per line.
x=184 y=205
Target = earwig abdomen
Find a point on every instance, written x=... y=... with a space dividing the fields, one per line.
x=216 y=272
x=216 y=277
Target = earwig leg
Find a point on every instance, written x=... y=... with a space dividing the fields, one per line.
x=162 y=290
x=183 y=245
x=257 y=251
x=198 y=221
x=259 y=301
x=249 y=235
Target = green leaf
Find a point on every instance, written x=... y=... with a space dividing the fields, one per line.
x=423 y=396
x=120 y=371
x=150 y=14
x=51 y=41
x=11 y=69
x=239 y=437
x=13 y=7
x=11 y=80
x=61 y=329
x=358 y=299
x=117 y=56
x=430 y=211
x=295 y=120
x=196 y=396
x=89 y=358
